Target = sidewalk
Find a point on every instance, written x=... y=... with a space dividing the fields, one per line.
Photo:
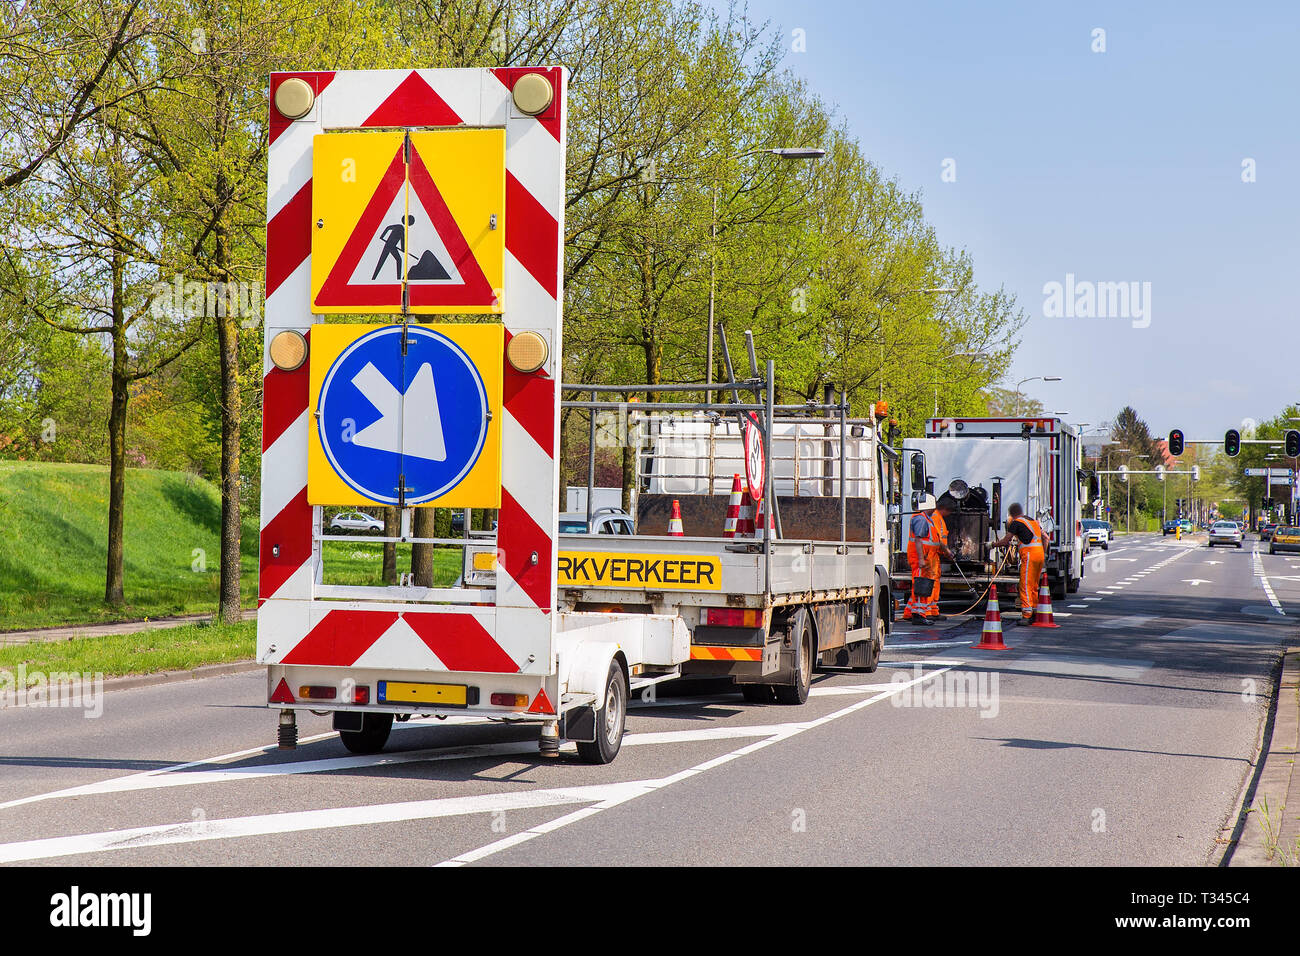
x=1263 y=841
x=102 y=630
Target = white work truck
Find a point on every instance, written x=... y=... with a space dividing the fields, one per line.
x=991 y=463
x=451 y=202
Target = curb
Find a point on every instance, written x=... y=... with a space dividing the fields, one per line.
x=1275 y=778
x=165 y=677
x=171 y=677
x=72 y=632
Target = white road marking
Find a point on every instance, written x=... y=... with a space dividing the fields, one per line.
x=1092 y=599
x=1258 y=563
x=922 y=645
x=652 y=786
x=1076 y=605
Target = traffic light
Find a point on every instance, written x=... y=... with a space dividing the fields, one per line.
x=1232 y=442
x=1292 y=443
x=1176 y=442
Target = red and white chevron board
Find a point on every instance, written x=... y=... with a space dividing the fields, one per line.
x=295 y=627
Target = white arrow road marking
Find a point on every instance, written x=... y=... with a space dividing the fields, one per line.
x=417 y=434
x=1196 y=582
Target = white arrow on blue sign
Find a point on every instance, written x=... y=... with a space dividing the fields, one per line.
x=417 y=418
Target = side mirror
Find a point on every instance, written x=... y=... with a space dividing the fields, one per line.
x=916 y=500
x=918 y=469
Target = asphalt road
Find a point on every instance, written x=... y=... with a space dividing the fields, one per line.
x=1122 y=737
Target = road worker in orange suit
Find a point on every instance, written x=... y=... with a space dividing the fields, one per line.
x=1032 y=556
x=925 y=546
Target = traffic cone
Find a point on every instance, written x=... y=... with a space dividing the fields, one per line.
x=675 y=522
x=1043 y=613
x=991 y=636
x=733 y=509
x=745 y=520
x=766 y=530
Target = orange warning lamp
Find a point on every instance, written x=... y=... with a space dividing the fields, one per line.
x=527 y=351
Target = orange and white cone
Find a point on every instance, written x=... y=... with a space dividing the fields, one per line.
x=1043 y=613
x=766 y=530
x=745 y=520
x=991 y=636
x=733 y=509
x=675 y=521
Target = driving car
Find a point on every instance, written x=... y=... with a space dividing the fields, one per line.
x=605 y=521
x=1224 y=532
x=355 y=521
x=1266 y=530
x=1170 y=526
x=1096 y=532
x=1285 y=537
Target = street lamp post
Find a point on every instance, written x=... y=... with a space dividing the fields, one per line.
x=1033 y=378
x=787 y=153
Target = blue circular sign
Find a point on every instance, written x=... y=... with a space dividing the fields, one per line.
x=388 y=419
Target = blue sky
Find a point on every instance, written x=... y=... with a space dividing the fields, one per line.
x=1121 y=166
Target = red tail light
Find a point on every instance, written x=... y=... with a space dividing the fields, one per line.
x=317 y=692
x=509 y=700
x=361 y=695
x=733 y=617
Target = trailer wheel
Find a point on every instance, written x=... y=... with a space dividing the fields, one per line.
x=610 y=720
x=802 y=637
x=372 y=736
x=757 y=693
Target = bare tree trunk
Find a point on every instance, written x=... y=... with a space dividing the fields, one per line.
x=422 y=554
x=114 y=589
x=391 y=527
x=227 y=320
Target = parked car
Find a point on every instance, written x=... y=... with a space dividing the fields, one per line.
x=1224 y=532
x=1266 y=531
x=355 y=521
x=1096 y=532
x=458 y=523
x=1285 y=538
x=605 y=520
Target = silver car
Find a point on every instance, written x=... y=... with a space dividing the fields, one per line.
x=355 y=521
x=1225 y=532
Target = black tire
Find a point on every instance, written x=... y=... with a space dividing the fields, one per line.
x=802 y=637
x=1072 y=587
x=372 y=736
x=1270 y=550
x=1058 y=588
x=877 y=645
x=757 y=693
x=1238 y=545
x=611 y=720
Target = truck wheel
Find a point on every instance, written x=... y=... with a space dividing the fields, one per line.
x=610 y=720
x=1058 y=589
x=797 y=693
x=757 y=693
x=372 y=736
x=1073 y=586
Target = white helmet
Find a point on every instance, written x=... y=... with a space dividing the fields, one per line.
x=927 y=503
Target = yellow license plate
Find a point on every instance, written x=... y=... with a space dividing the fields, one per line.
x=401 y=692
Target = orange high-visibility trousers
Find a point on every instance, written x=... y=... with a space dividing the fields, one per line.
x=1031 y=568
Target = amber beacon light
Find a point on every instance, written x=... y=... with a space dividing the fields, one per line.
x=527 y=351
x=288 y=350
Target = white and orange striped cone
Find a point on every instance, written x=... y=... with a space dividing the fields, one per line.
x=766 y=527
x=1043 y=613
x=745 y=520
x=991 y=636
x=675 y=521
x=733 y=509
